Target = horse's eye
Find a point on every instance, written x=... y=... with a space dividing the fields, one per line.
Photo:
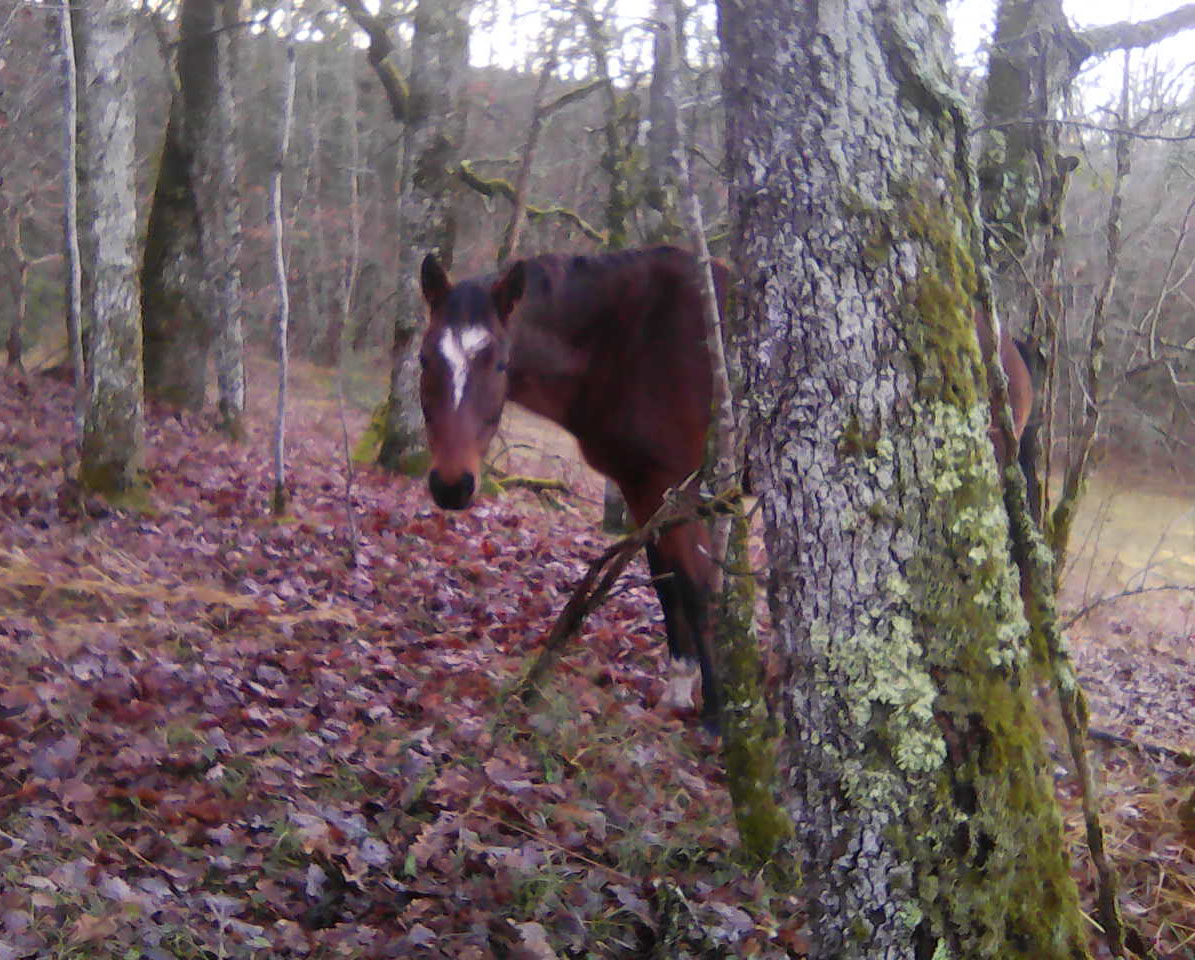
x=500 y=366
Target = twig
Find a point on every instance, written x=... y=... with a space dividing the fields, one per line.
x=549 y=842
x=1124 y=594
x=1083 y=125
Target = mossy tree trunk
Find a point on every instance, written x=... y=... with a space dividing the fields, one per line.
x=433 y=139
x=113 y=424
x=748 y=747
x=190 y=278
x=178 y=328
x=913 y=763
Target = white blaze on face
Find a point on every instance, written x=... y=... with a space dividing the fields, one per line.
x=459 y=347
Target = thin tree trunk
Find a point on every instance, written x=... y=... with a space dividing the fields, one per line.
x=514 y=227
x=350 y=283
x=224 y=258
x=70 y=225
x=748 y=747
x=280 y=273
x=1062 y=516
x=14 y=345
x=618 y=205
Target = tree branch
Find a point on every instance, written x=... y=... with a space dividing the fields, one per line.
x=1128 y=36
x=383 y=58
x=497 y=187
x=1083 y=125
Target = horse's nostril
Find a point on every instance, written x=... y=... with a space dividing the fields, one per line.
x=451 y=496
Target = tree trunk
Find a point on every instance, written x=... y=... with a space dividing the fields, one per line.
x=615 y=161
x=285 y=123
x=916 y=777
x=434 y=139
x=178 y=327
x=72 y=253
x=222 y=186
x=1036 y=55
x=190 y=278
x=113 y=428
x=748 y=747
x=663 y=132
x=13 y=343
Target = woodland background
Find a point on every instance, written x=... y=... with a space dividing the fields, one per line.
x=140 y=654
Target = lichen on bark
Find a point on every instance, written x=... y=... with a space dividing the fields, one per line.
x=913 y=759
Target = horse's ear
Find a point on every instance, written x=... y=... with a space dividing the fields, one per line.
x=433 y=280
x=509 y=290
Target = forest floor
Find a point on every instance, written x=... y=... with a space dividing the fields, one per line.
x=219 y=737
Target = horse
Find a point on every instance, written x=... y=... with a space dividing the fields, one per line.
x=612 y=348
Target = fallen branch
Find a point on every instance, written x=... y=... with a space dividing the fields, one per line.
x=595 y=586
x=1153 y=749
x=534 y=484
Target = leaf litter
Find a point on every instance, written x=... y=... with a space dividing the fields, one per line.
x=221 y=738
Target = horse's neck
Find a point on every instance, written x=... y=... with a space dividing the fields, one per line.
x=546 y=365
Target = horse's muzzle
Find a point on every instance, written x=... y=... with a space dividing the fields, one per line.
x=451 y=496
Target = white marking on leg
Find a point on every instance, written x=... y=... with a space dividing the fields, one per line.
x=459 y=348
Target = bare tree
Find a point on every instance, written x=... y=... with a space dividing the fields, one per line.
x=220 y=184
x=113 y=428
x=285 y=122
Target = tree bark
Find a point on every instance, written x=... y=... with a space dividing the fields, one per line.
x=277 y=214
x=615 y=162
x=748 y=737
x=916 y=777
x=221 y=186
x=433 y=141
x=70 y=219
x=178 y=325
x=663 y=132
x=113 y=428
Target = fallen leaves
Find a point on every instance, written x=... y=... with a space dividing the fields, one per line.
x=220 y=738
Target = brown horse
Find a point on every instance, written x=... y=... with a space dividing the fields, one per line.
x=612 y=348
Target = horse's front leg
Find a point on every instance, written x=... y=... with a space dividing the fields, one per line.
x=682 y=572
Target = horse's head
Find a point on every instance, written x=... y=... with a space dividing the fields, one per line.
x=462 y=387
